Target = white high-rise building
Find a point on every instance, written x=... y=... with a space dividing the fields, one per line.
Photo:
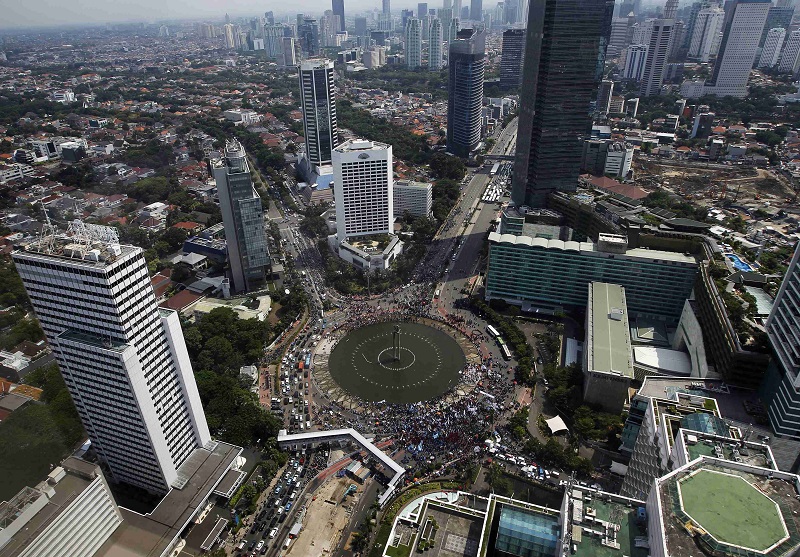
x=319 y=110
x=658 y=50
x=413 y=46
x=363 y=182
x=707 y=33
x=790 y=57
x=289 y=55
x=230 y=35
x=642 y=31
x=737 y=51
x=123 y=359
x=771 y=52
x=635 y=56
x=435 y=46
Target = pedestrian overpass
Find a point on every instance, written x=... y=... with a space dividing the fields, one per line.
x=297 y=441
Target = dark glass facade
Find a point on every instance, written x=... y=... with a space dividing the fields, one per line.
x=465 y=92
x=560 y=78
x=338 y=9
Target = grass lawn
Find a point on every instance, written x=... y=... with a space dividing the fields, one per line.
x=399 y=551
x=732 y=510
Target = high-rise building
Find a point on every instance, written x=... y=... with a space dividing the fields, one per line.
x=604 y=93
x=771 y=52
x=744 y=22
x=707 y=33
x=691 y=20
x=413 y=46
x=230 y=35
x=512 y=58
x=635 y=57
x=319 y=110
x=560 y=72
x=308 y=34
x=657 y=56
x=338 y=9
x=405 y=15
x=328 y=28
x=467 y=61
x=289 y=55
x=671 y=9
x=123 y=359
x=269 y=17
x=387 y=7
x=455 y=27
x=790 y=57
x=781 y=385
x=446 y=15
x=435 y=58
x=778 y=16
x=476 y=10
x=621 y=30
x=426 y=27
x=361 y=26
x=422 y=9
x=273 y=40
x=414 y=198
x=457 y=4
x=243 y=217
x=363 y=178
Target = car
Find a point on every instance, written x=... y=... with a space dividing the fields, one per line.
x=259 y=545
x=273 y=533
x=288 y=506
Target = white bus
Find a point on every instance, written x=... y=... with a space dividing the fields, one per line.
x=492 y=331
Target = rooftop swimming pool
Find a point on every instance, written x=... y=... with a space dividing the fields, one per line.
x=738 y=263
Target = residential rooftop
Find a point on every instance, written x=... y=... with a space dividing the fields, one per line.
x=608 y=332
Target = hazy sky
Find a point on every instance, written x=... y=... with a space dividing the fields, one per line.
x=21 y=13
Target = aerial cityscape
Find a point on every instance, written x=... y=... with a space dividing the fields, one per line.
x=379 y=279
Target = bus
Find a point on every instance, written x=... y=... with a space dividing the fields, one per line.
x=494 y=169
x=492 y=331
x=504 y=350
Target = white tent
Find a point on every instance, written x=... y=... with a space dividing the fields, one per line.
x=618 y=468
x=556 y=425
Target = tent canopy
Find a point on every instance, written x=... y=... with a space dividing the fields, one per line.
x=618 y=468
x=556 y=425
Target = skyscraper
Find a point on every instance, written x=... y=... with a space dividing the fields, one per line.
x=635 y=56
x=780 y=388
x=360 y=26
x=422 y=9
x=778 y=16
x=604 y=93
x=771 y=52
x=289 y=55
x=706 y=36
x=338 y=9
x=790 y=57
x=744 y=22
x=446 y=15
x=123 y=359
x=476 y=10
x=230 y=35
x=270 y=18
x=467 y=62
x=387 y=7
x=413 y=45
x=435 y=46
x=319 y=110
x=512 y=58
x=363 y=179
x=657 y=56
x=308 y=34
x=560 y=76
x=243 y=217
x=273 y=40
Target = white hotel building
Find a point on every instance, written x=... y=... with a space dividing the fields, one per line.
x=123 y=358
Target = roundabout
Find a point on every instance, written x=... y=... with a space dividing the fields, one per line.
x=396 y=362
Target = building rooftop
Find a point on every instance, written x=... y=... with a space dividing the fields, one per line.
x=361 y=145
x=149 y=535
x=603 y=525
x=729 y=511
x=608 y=334
x=589 y=247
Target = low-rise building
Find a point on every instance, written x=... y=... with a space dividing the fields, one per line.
x=415 y=198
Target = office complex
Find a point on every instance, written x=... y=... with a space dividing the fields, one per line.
x=771 y=52
x=465 y=91
x=790 y=57
x=706 y=35
x=737 y=51
x=386 y=7
x=414 y=198
x=512 y=58
x=435 y=57
x=124 y=360
x=71 y=513
x=243 y=216
x=363 y=179
x=635 y=57
x=413 y=43
x=658 y=50
x=560 y=71
x=319 y=110
x=778 y=16
x=308 y=34
x=422 y=9
x=537 y=272
x=360 y=24
x=273 y=41
x=338 y=10
x=604 y=93
x=781 y=387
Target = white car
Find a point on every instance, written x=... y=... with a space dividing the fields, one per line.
x=273 y=533
x=259 y=545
